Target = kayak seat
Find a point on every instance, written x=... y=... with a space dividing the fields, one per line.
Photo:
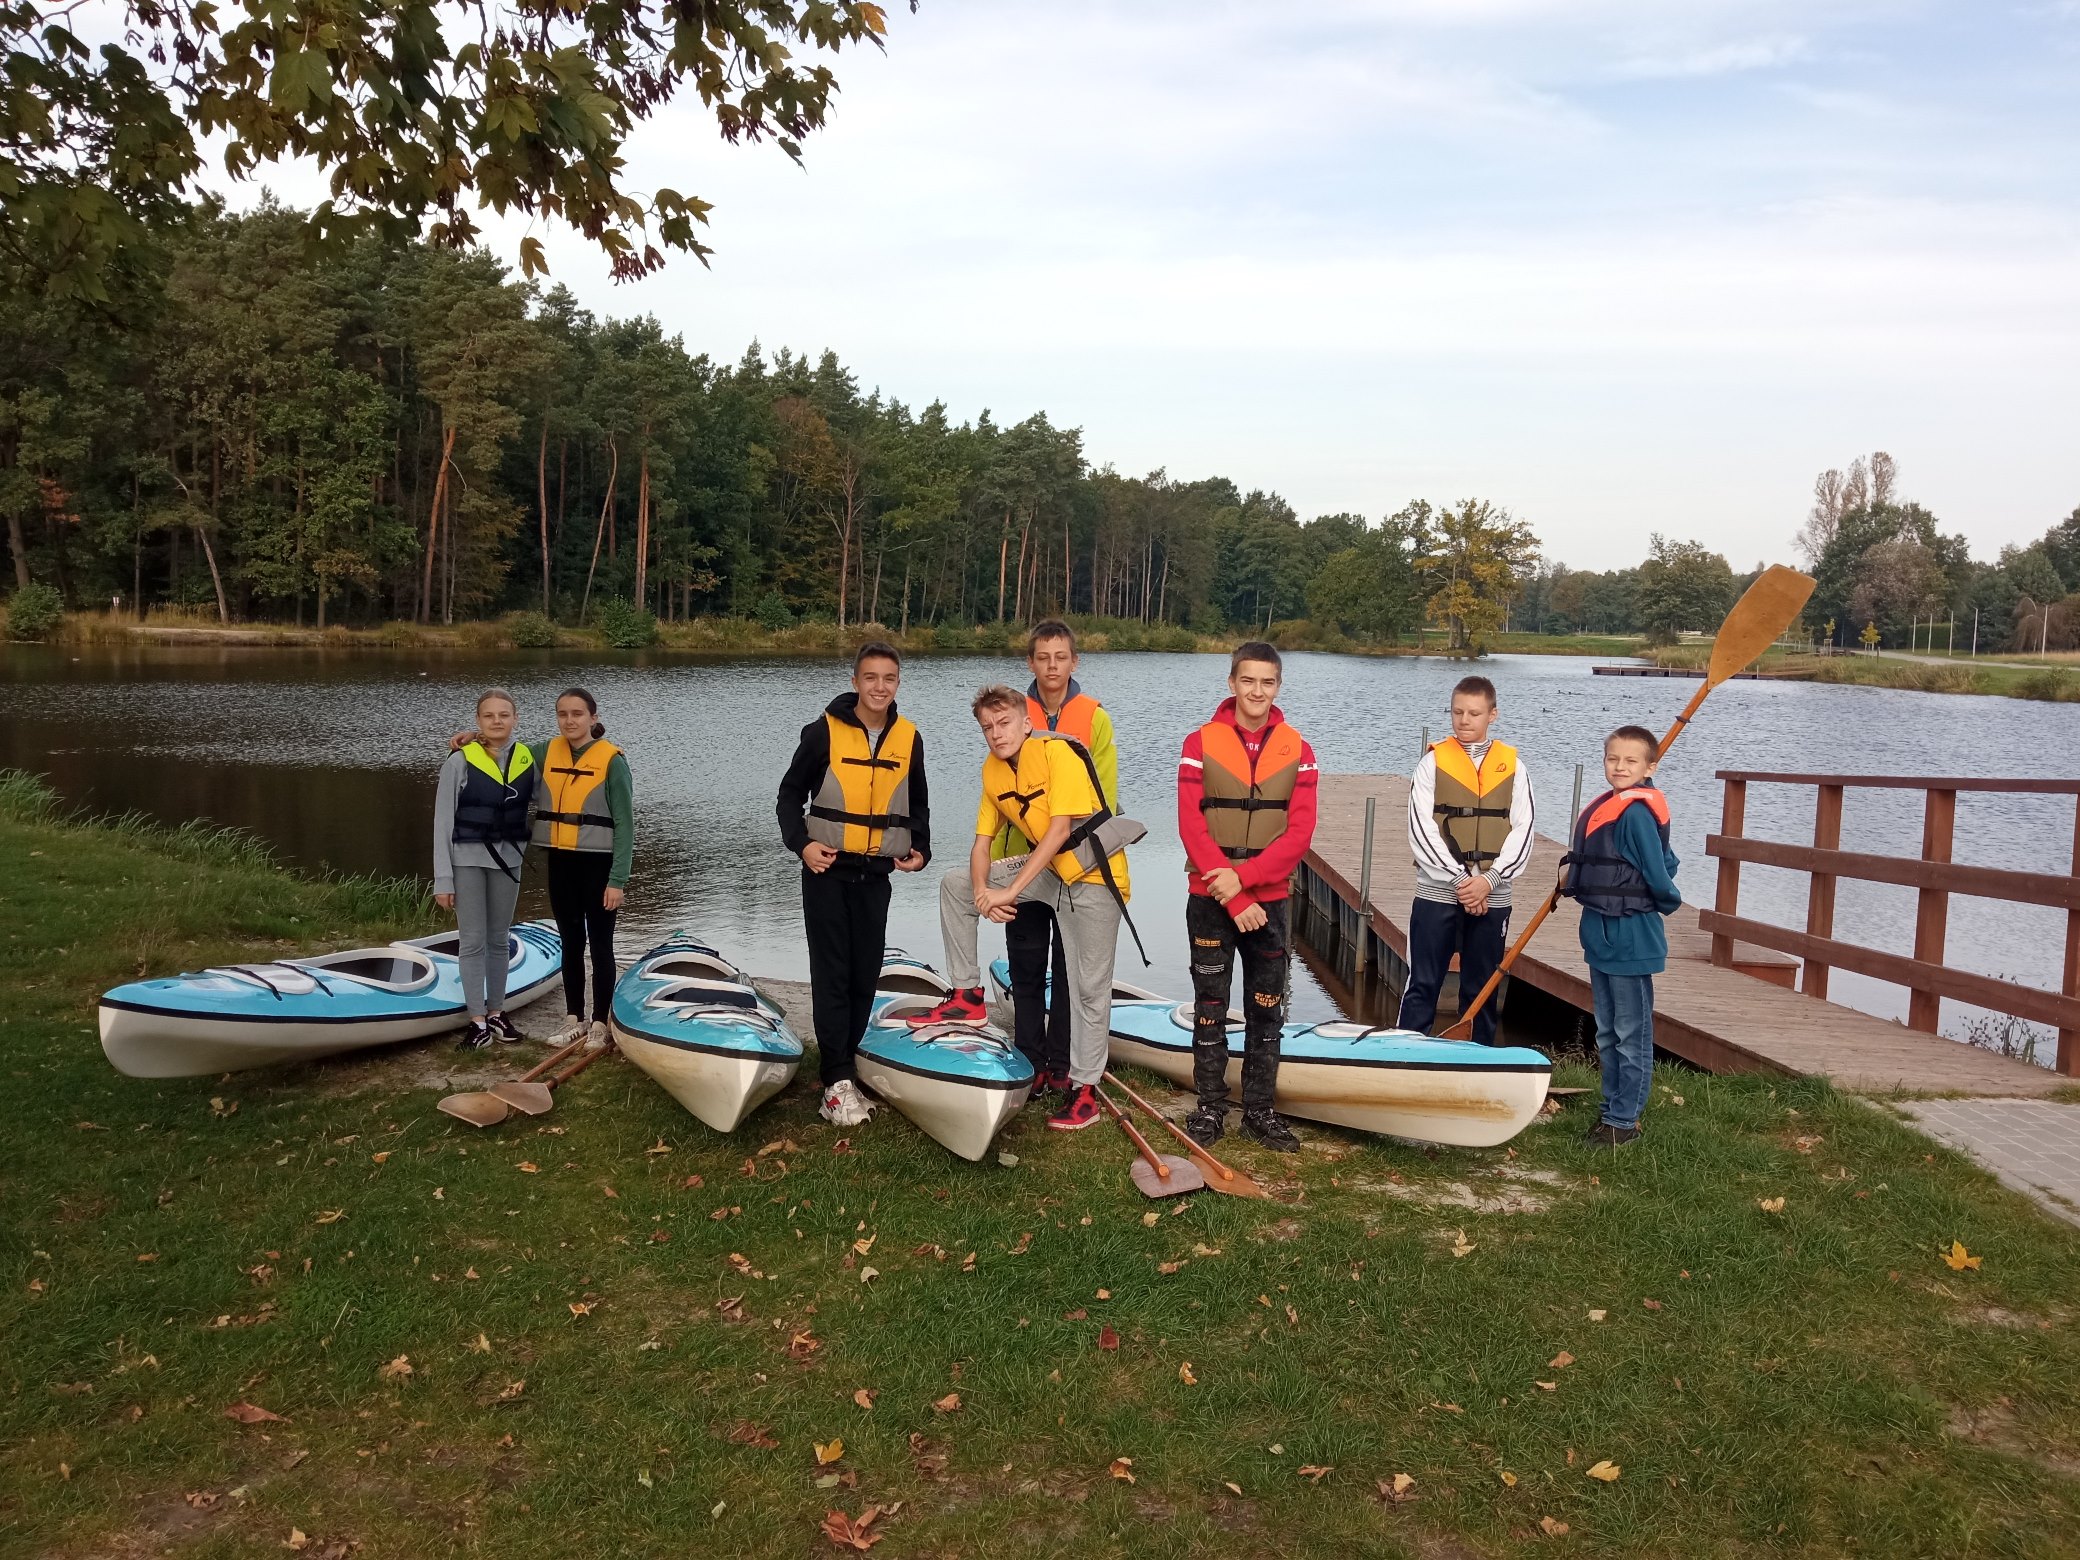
x=724 y=994
x=1181 y=1016
x=895 y=1012
x=394 y=969
x=449 y=944
x=693 y=965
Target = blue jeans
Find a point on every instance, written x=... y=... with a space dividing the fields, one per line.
x=1625 y=1043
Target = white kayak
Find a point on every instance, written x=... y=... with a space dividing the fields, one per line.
x=1392 y=1081
x=959 y=1083
x=904 y=972
x=698 y=1026
x=240 y=1016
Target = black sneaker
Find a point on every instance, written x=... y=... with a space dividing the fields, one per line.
x=1266 y=1128
x=1604 y=1135
x=503 y=1030
x=478 y=1035
x=1206 y=1125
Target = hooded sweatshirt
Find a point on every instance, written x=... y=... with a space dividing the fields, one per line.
x=812 y=758
x=1264 y=876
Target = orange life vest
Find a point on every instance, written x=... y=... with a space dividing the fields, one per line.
x=1247 y=802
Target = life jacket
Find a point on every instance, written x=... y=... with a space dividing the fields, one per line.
x=862 y=805
x=1472 y=806
x=1597 y=874
x=492 y=808
x=574 y=814
x=1077 y=718
x=1246 y=802
x=1094 y=838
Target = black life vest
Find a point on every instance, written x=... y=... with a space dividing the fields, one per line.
x=492 y=808
x=1597 y=875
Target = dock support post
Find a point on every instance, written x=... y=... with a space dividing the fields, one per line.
x=1827 y=835
x=1574 y=813
x=1733 y=816
x=2069 y=1039
x=1365 y=890
x=1932 y=914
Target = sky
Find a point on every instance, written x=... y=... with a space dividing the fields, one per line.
x=1620 y=266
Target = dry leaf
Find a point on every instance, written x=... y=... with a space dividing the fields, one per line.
x=1597 y=1316
x=217 y=1106
x=397 y=1369
x=1397 y=1490
x=331 y=1216
x=968 y=1263
x=1651 y=1305
x=1077 y=1315
x=379 y=1158
x=949 y=1404
x=1023 y=1245
x=1007 y=1159
x=528 y=1167
x=1509 y=1480
x=802 y=1345
x=1606 y=1471
x=1770 y=1204
x=865 y=1396
x=851 y=1532
x=1547 y=1386
x=829 y=1451
x=1460 y=1244
x=1104 y=1294
x=865 y=1244
x=1552 y=1526
x=481 y=1346
x=1959 y=1259
x=510 y=1392
x=1107 y=1338
x=251 y=1414
x=745 y=1433
x=659 y=1147
x=1313 y=1472
x=1184 y=1374
x=1201 y=1249
x=1167 y=1268
x=1230 y=1484
x=297 y=1539
x=1149 y=1219
x=582 y=1307
x=927 y=1249
x=1560 y=1361
x=1122 y=1468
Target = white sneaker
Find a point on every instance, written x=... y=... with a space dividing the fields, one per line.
x=596 y=1038
x=844 y=1105
x=574 y=1028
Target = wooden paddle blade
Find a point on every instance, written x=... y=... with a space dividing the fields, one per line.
x=1463 y=1030
x=1766 y=608
x=478 y=1109
x=1183 y=1177
x=533 y=1099
x=1230 y=1182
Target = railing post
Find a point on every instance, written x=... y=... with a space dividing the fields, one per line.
x=1365 y=890
x=1733 y=815
x=2069 y=1039
x=1827 y=835
x=1932 y=914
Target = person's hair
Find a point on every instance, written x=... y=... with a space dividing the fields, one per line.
x=875 y=650
x=1479 y=685
x=489 y=694
x=1049 y=628
x=1639 y=734
x=1256 y=650
x=997 y=697
x=598 y=727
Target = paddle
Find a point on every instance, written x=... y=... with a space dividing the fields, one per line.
x=1158 y=1175
x=1224 y=1178
x=488 y=1107
x=1768 y=607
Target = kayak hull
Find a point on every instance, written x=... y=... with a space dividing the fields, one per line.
x=957 y=1083
x=1393 y=1082
x=240 y=1017
x=703 y=1033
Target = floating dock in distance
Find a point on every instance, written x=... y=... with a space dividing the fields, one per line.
x=1743 y=1019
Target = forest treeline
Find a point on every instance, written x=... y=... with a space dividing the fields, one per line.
x=372 y=432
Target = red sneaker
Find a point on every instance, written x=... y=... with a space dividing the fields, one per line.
x=963 y=1007
x=1078 y=1111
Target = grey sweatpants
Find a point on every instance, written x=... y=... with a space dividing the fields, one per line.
x=1087 y=920
x=484 y=900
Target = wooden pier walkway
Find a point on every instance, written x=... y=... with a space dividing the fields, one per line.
x=1742 y=1019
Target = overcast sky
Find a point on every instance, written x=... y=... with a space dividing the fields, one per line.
x=1619 y=265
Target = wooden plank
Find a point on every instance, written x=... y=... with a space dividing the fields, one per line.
x=1910 y=782
x=1987 y=991
x=1733 y=817
x=2069 y=1034
x=1827 y=836
x=1932 y=907
x=2059 y=891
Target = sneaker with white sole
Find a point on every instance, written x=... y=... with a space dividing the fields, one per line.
x=844 y=1106
x=574 y=1028
x=597 y=1038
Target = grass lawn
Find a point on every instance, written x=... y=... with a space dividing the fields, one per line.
x=610 y=1332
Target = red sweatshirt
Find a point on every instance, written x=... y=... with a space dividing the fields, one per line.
x=1263 y=876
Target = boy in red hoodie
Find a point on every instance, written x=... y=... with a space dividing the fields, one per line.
x=1245 y=810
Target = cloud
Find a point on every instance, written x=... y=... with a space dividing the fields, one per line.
x=1716 y=60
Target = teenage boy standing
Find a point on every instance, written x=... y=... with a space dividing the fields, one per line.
x=853 y=806
x=1054 y=702
x=1470 y=825
x=1245 y=809
x=1046 y=787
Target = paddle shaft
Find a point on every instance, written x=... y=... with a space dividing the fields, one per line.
x=578 y=1066
x=1148 y=1152
x=1172 y=1128
x=553 y=1059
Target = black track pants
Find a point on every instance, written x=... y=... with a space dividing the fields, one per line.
x=1215 y=942
x=577 y=889
x=845 y=914
x=1042 y=1016
x=1436 y=931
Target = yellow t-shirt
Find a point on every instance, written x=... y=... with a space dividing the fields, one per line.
x=1049 y=780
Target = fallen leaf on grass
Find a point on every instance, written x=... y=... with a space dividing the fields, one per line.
x=745 y=1433
x=251 y=1414
x=659 y=1236
x=925 y=1457
x=1553 y=1527
x=829 y=1451
x=1107 y=1338
x=1770 y=1204
x=1597 y=1316
x=691 y=1182
x=582 y=1307
x=1149 y=1219
x=1167 y=1268
x=1547 y=1386
x=1023 y=1245
x=1184 y=1374
x=1122 y=1468
x=1201 y=1249
x=528 y=1167
x=1104 y=1294
x=397 y=1369
x=1077 y=1315
x=1605 y=1471
x=780 y=1146
x=510 y=1392
x=968 y=1263
x=1560 y=1361
x=1651 y=1305
x=1958 y=1259
x=1313 y=1472
x=1509 y=1480
x=331 y=1216
x=1461 y=1246
x=1396 y=1491
x=148 y=1256
x=722 y=1213
x=297 y=1539
x=218 y=1107
x=865 y=1244
x=659 y=1147
x=949 y=1404
x=201 y=1500
x=865 y=1396
x=803 y=1344
x=1007 y=1159
x=379 y=1158
x=1230 y=1484
x=851 y=1532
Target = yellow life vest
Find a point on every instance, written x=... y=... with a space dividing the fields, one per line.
x=1472 y=806
x=862 y=806
x=573 y=813
x=1097 y=840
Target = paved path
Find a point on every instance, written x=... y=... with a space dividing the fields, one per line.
x=2031 y=1145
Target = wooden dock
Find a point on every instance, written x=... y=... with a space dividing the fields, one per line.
x=1741 y=1019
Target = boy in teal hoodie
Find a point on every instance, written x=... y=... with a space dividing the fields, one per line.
x=1624 y=875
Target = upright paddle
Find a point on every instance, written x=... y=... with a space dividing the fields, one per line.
x=1768 y=607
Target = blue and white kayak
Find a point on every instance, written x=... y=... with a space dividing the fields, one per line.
x=694 y=1022
x=906 y=973
x=959 y=1083
x=239 y=1016
x=1391 y=1081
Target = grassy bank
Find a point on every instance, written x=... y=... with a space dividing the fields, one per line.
x=2049 y=682
x=625 y=1334
x=713 y=636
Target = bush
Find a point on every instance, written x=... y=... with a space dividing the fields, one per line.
x=33 y=612
x=626 y=626
x=531 y=631
x=950 y=636
x=772 y=612
x=2054 y=686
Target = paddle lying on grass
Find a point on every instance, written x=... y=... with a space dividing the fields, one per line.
x=1158 y=1175
x=1768 y=607
x=488 y=1107
x=1220 y=1177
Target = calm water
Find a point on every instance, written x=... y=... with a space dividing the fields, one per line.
x=331 y=756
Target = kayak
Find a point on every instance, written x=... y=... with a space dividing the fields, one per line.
x=959 y=1083
x=1391 y=1081
x=698 y=1026
x=903 y=972
x=239 y=1016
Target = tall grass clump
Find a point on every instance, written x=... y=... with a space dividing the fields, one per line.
x=34 y=612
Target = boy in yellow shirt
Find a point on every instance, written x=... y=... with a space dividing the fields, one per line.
x=1044 y=786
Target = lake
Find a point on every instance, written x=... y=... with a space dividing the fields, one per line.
x=330 y=756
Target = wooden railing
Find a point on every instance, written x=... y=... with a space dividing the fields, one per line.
x=1932 y=874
